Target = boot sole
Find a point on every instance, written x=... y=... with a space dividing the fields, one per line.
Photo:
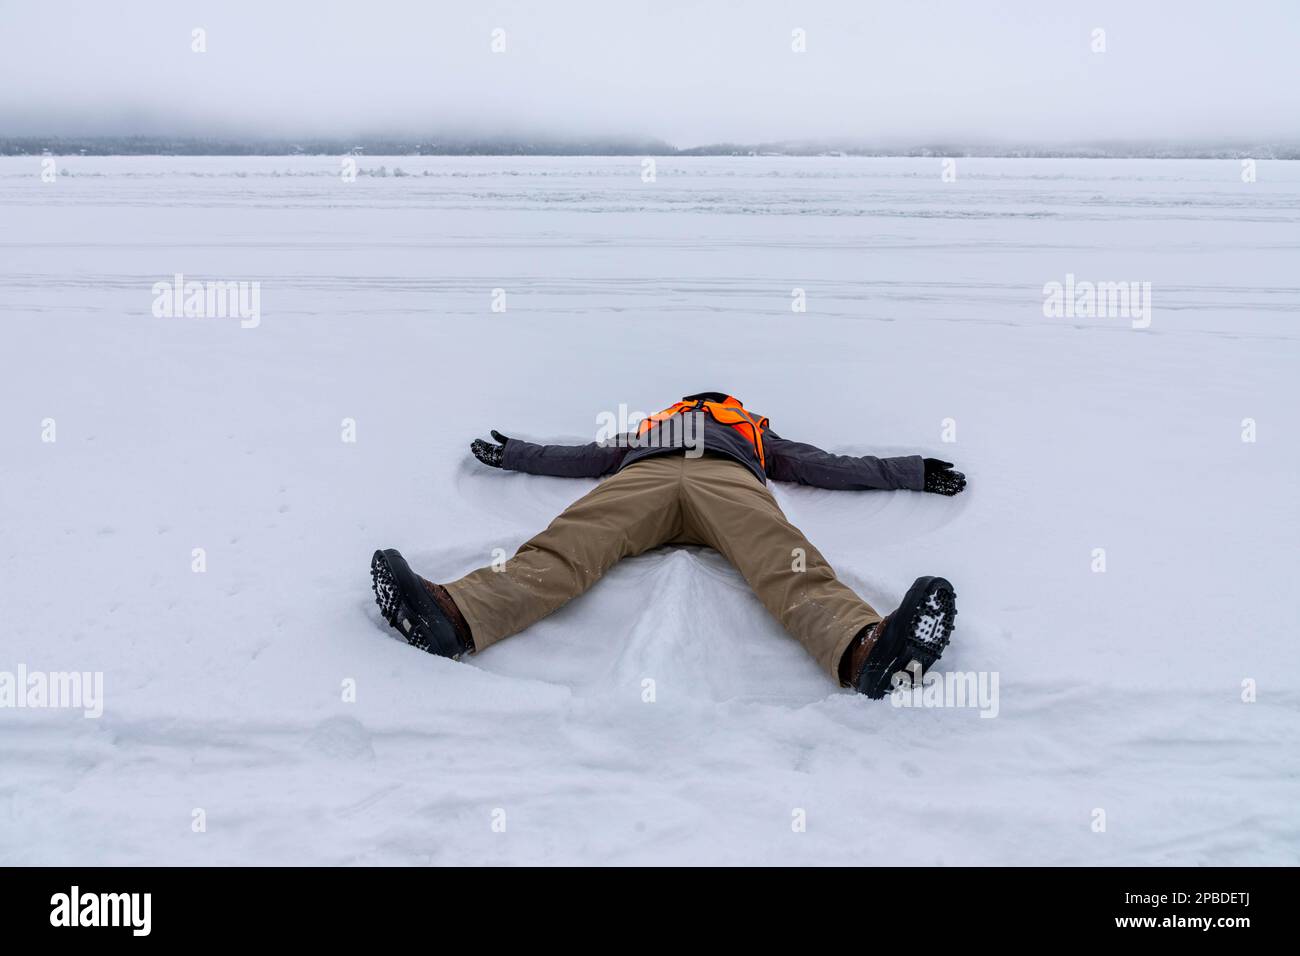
x=408 y=607
x=930 y=626
x=917 y=632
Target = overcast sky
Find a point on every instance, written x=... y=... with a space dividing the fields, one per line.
x=689 y=73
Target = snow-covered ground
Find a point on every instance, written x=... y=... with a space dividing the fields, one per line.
x=1118 y=691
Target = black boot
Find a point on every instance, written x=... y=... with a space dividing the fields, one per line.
x=410 y=604
x=918 y=631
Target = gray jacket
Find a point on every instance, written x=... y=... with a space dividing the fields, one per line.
x=786 y=460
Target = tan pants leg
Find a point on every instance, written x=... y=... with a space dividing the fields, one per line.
x=630 y=512
x=726 y=508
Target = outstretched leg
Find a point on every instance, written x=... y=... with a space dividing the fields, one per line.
x=726 y=508
x=628 y=513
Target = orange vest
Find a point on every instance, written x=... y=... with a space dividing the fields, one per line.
x=727 y=412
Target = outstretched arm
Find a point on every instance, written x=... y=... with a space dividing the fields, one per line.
x=562 y=461
x=808 y=465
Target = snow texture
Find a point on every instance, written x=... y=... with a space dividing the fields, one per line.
x=1119 y=690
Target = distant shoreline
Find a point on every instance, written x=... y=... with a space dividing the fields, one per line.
x=393 y=146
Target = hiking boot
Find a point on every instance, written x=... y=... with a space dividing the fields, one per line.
x=422 y=611
x=918 y=631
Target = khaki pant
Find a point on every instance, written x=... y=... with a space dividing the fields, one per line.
x=670 y=499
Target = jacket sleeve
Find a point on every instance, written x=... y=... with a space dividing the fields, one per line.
x=564 y=461
x=808 y=465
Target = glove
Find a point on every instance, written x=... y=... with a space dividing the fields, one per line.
x=489 y=453
x=940 y=479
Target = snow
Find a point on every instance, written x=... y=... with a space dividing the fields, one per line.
x=1119 y=691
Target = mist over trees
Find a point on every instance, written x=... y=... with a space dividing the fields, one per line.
x=618 y=146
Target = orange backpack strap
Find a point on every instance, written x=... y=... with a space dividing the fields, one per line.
x=752 y=426
x=657 y=417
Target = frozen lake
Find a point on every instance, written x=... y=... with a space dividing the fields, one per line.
x=224 y=691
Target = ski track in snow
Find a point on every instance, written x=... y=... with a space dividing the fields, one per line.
x=1119 y=691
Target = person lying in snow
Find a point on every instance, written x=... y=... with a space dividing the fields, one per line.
x=665 y=490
